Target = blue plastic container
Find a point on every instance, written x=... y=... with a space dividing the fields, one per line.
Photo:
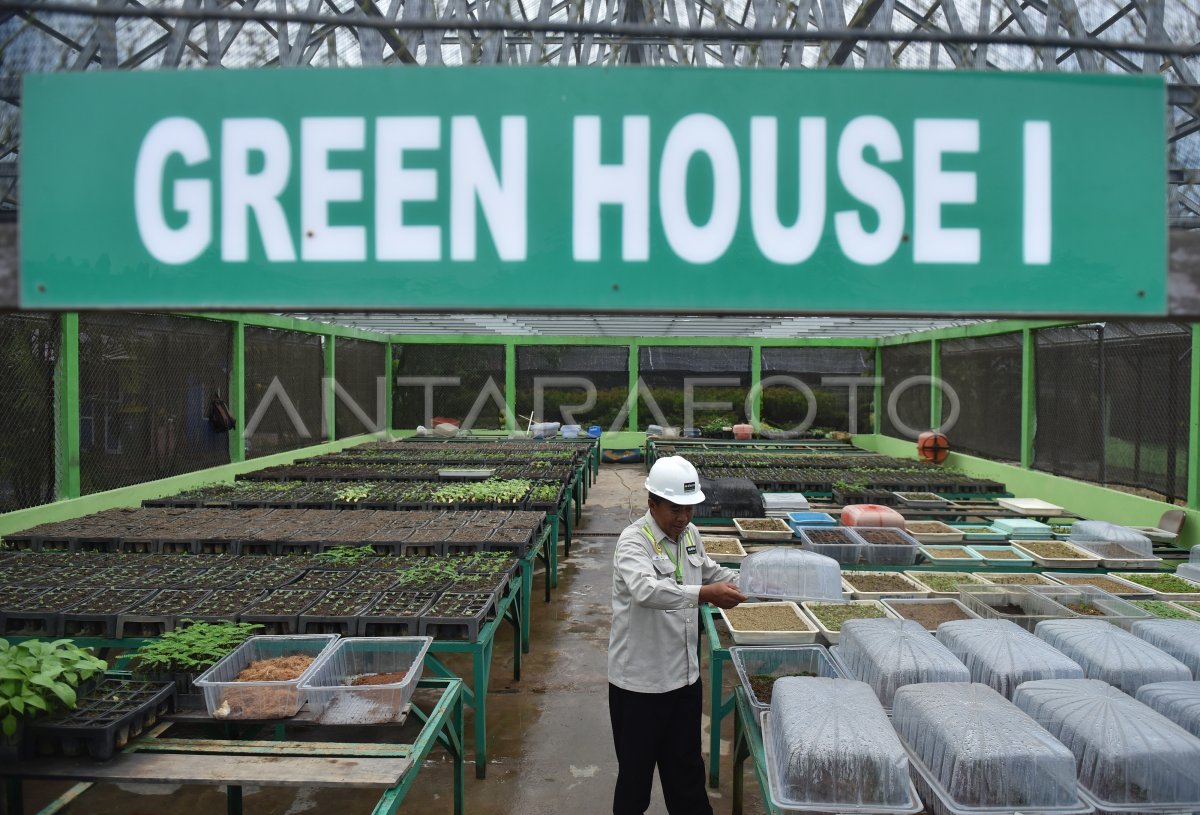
x=810 y=519
x=594 y=431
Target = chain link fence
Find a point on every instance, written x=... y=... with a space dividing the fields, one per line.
x=985 y=375
x=829 y=375
x=911 y=407
x=283 y=372
x=29 y=350
x=703 y=387
x=146 y=382
x=573 y=384
x=359 y=368
x=1112 y=404
x=461 y=382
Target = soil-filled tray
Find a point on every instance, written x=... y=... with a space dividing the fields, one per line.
x=945 y=584
x=277 y=665
x=1169 y=611
x=840 y=544
x=1109 y=583
x=1018 y=579
x=1165 y=586
x=279 y=611
x=921 y=500
x=876 y=585
x=1115 y=556
x=758 y=668
x=769 y=623
x=949 y=555
x=830 y=617
x=104 y=720
x=1014 y=603
x=1056 y=554
x=1001 y=555
x=981 y=533
x=763 y=529
x=930 y=612
x=1094 y=603
x=933 y=532
x=40 y=614
x=97 y=616
x=723 y=549
x=157 y=614
x=457 y=616
x=396 y=614
x=336 y=612
x=886 y=546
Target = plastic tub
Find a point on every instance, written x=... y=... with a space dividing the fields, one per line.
x=1178 y=701
x=804 y=632
x=1129 y=757
x=888 y=654
x=723 y=542
x=1013 y=603
x=807 y=518
x=945 y=609
x=227 y=698
x=779 y=530
x=976 y=752
x=871 y=515
x=1179 y=638
x=594 y=431
x=1115 y=556
x=778 y=662
x=840 y=544
x=1002 y=655
x=790 y=574
x=901 y=585
x=886 y=546
x=830 y=748
x=335 y=700
x=570 y=431
x=1090 y=602
x=743 y=431
x=1056 y=554
x=1001 y=555
x=1111 y=654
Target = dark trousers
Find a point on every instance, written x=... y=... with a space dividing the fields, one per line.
x=658 y=730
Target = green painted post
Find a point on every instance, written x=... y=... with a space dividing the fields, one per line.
x=935 y=392
x=390 y=383
x=1029 y=397
x=633 y=387
x=66 y=385
x=1193 y=485
x=329 y=391
x=880 y=407
x=237 y=392
x=755 y=390
x=510 y=387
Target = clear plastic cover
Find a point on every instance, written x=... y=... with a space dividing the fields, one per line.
x=1013 y=603
x=759 y=667
x=1178 y=701
x=1111 y=654
x=977 y=752
x=791 y=574
x=1191 y=571
x=1179 y=638
x=1129 y=757
x=1002 y=655
x=888 y=654
x=831 y=748
x=1103 y=532
x=392 y=665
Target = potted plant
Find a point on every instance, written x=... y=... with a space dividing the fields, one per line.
x=37 y=677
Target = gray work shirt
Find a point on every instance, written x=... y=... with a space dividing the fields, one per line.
x=653 y=644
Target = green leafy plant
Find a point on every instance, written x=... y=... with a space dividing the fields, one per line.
x=354 y=493
x=346 y=555
x=842 y=485
x=191 y=649
x=36 y=676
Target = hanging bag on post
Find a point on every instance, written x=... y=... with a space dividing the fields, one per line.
x=220 y=417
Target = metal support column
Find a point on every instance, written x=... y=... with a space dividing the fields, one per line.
x=879 y=406
x=510 y=388
x=1029 y=396
x=329 y=393
x=388 y=385
x=633 y=387
x=237 y=392
x=1193 y=484
x=66 y=386
x=755 y=385
x=935 y=390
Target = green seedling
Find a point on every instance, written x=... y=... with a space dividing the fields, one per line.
x=36 y=676
x=193 y=648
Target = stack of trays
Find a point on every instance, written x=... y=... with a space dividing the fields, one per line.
x=888 y=654
x=1002 y=655
x=779 y=504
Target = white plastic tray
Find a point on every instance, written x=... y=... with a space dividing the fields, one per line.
x=784 y=532
x=1131 y=590
x=986 y=552
x=1088 y=561
x=798 y=637
x=972 y=558
x=1131 y=562
x=915 y=589
x=1167 y=595
x=834 y=637
x=1031 y=506
x=975 y=579
x=722 y=558
x=946 y=534
x=894 y=604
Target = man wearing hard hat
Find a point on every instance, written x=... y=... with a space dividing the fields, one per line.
x=661 y=576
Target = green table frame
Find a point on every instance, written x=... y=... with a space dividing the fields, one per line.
x=748 y=743
x=443 y=725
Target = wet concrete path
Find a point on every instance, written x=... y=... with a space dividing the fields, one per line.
x=550 y=742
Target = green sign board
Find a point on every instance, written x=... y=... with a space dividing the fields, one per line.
x=595 y=190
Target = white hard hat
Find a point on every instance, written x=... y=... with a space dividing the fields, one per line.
x=675 y=479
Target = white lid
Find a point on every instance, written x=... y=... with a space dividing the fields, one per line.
x=1111 y=654
x=1002 y=655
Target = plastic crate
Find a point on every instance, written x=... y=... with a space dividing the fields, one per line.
x=1012 y=603
x=335 y=700
x=227 y=698
x=778 y=662
x=897 y=549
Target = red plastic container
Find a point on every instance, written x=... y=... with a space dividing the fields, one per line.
x=743 y=431
x=871 y=515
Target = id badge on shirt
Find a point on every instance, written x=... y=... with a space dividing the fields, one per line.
x=659 y=558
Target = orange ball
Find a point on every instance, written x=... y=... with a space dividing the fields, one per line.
x=933 y=446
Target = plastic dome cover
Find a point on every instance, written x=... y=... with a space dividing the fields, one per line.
x=978 y=751
x=1103 y=532
x=1179 y=638
x=887 y=654
x=1002 y=655
x=1111 y=654
x=831 y=748
x=791 y=574
x=1128 y=756
x=1178 y=701
x=1191 y=569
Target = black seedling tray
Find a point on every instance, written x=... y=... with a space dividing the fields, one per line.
x=92 y=621
x=462 y=627
x=156 y=616
x=314 y=621
x=104 y=720
x=276 y=624
x=382 y=619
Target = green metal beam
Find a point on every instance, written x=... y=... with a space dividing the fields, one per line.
x=1193 y=485
x=290 y=324
x=879 y=406
x=935 y=392
x=237 y=392
x=633 y=387
x=973 y=330
x=510 y=387
x=328 y=391
x=755 y=379
x=522 y=339
x=66 y=386
x=389 y=385
x=1029 y=396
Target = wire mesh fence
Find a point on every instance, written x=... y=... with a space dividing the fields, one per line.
x=905 y=408
x=456 y=382
x=702 y=387
x=1112 y=404
x=29 y=350
x=840 y=381
x=361 y=387
x=146 y=382
x=283 y=371
x=985 y=376
x=573 y=384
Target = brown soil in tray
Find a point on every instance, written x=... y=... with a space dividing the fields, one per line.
x=882 y=536
x=1085 y=609
x=279 y=669
x=1019 y=579
x=948 y=552
x=879 y=582
x=929 y=527
x=379 y=679
x=762 y=684
x=829 y=536
x=766 y=618
x=930 y=615
x=1000 y=554
x=1010 y=610
x=720 y=547
x=1051 y=549
x=1097 y=580
x=764 y=525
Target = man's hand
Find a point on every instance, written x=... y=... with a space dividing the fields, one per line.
x=721 y=595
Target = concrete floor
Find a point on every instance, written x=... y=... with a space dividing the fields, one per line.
x=550 y=742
